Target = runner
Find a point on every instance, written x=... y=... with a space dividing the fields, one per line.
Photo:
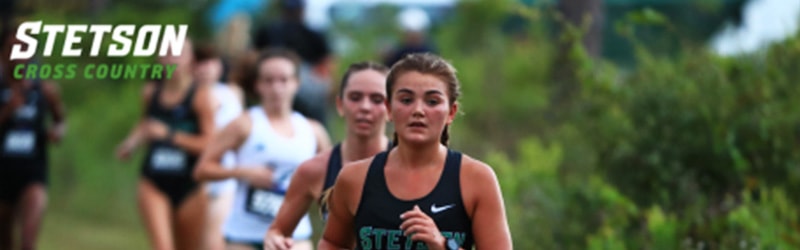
x=361 y=98
x=177 y=122
x=270 y=141
x=412 y=196
x=227 y=102
x=24 y=138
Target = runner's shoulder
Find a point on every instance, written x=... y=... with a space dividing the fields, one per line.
x=314 y=168
x=354 y=174
x=477 y=170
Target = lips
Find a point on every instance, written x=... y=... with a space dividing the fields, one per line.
x=363 y=121
x=417 y=125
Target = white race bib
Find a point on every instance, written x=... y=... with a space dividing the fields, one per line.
x=166 y=159
x=19 y=142
x=263 y=202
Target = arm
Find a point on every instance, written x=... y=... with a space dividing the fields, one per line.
x=343 y=203
x=299 y=196
x=57 y=111
x=205 y=114
x=137 y=135
x=489 y=222
x=323 y=140
x=232 y=136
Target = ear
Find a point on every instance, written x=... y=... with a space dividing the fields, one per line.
x=452 y=114
x=388 y=102
x=339 y=106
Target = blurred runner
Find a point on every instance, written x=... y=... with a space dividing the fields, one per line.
x=361 y=101
x=178 y=121
x=24 y=138
x=270 y=141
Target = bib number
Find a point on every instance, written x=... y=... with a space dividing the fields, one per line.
x=19 y=143
x=264 y=203
x=166 y=159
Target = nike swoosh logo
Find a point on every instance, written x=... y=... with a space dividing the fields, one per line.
x=437 y=210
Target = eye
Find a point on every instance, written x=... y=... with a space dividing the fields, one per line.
x=405 y=100
x=432 y=102
x=377 y=99
x=355 y=97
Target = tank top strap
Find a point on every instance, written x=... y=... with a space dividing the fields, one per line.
x=334 y=167
x=452 y=167
x=375 y=183
x=153 y=102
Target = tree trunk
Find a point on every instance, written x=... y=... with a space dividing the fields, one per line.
x=588 y=17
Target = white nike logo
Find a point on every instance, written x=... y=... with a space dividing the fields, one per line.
x=436 y=210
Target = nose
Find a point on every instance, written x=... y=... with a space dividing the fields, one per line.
x=418 y=111
x=364 y=104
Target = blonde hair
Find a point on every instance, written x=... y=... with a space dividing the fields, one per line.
x=234 y=38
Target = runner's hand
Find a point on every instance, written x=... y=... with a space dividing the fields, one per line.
x=275 y=241
x=259 y=177
x=155 y=129
x=421 y=227
x=124 y=150
x=57 y=132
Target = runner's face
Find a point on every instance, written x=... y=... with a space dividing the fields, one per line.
x=363 y=104
x=277 y=83
x=184 y=60
x=208 y=71
x=420 y=108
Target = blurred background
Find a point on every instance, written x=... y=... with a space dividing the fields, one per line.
x=611 y=124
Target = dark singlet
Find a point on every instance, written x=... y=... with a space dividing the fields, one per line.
x=335 y=164
x=168 y=166
x=23 y=143
x=23 y=135
x=377 y=220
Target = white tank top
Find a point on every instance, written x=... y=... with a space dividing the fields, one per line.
x=254 y=209
x=228 y=108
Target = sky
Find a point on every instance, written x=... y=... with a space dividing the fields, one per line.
x=765 y=22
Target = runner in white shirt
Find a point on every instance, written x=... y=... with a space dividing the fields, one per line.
x=227 y=102
x=270 y=141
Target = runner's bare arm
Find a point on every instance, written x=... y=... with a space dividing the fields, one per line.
x=136 y=135
x=57 y=111
x=308 y=178
x=489 y=222
x=231 y=137
x=343 y=202
x=205 y=115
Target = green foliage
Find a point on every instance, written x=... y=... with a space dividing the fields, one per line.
x=656 y=156
x=686 y=150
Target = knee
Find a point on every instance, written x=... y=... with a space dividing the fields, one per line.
x=36 y=196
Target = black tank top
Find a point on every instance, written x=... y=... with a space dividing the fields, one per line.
x=23 y=137
x=335 y=164
x=163 y=157
x=377 y=221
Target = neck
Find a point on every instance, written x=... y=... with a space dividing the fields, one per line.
x=355 y=148
x=178 y=82
x=418 y=156
x=278 y=111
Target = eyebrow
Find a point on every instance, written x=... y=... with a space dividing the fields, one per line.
x=429 y=92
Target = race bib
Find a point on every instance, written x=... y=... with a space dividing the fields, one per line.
x=264 y=203
x=166 y=159
x=19 y=143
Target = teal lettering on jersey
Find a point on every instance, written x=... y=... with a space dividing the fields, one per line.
x=376 y=238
